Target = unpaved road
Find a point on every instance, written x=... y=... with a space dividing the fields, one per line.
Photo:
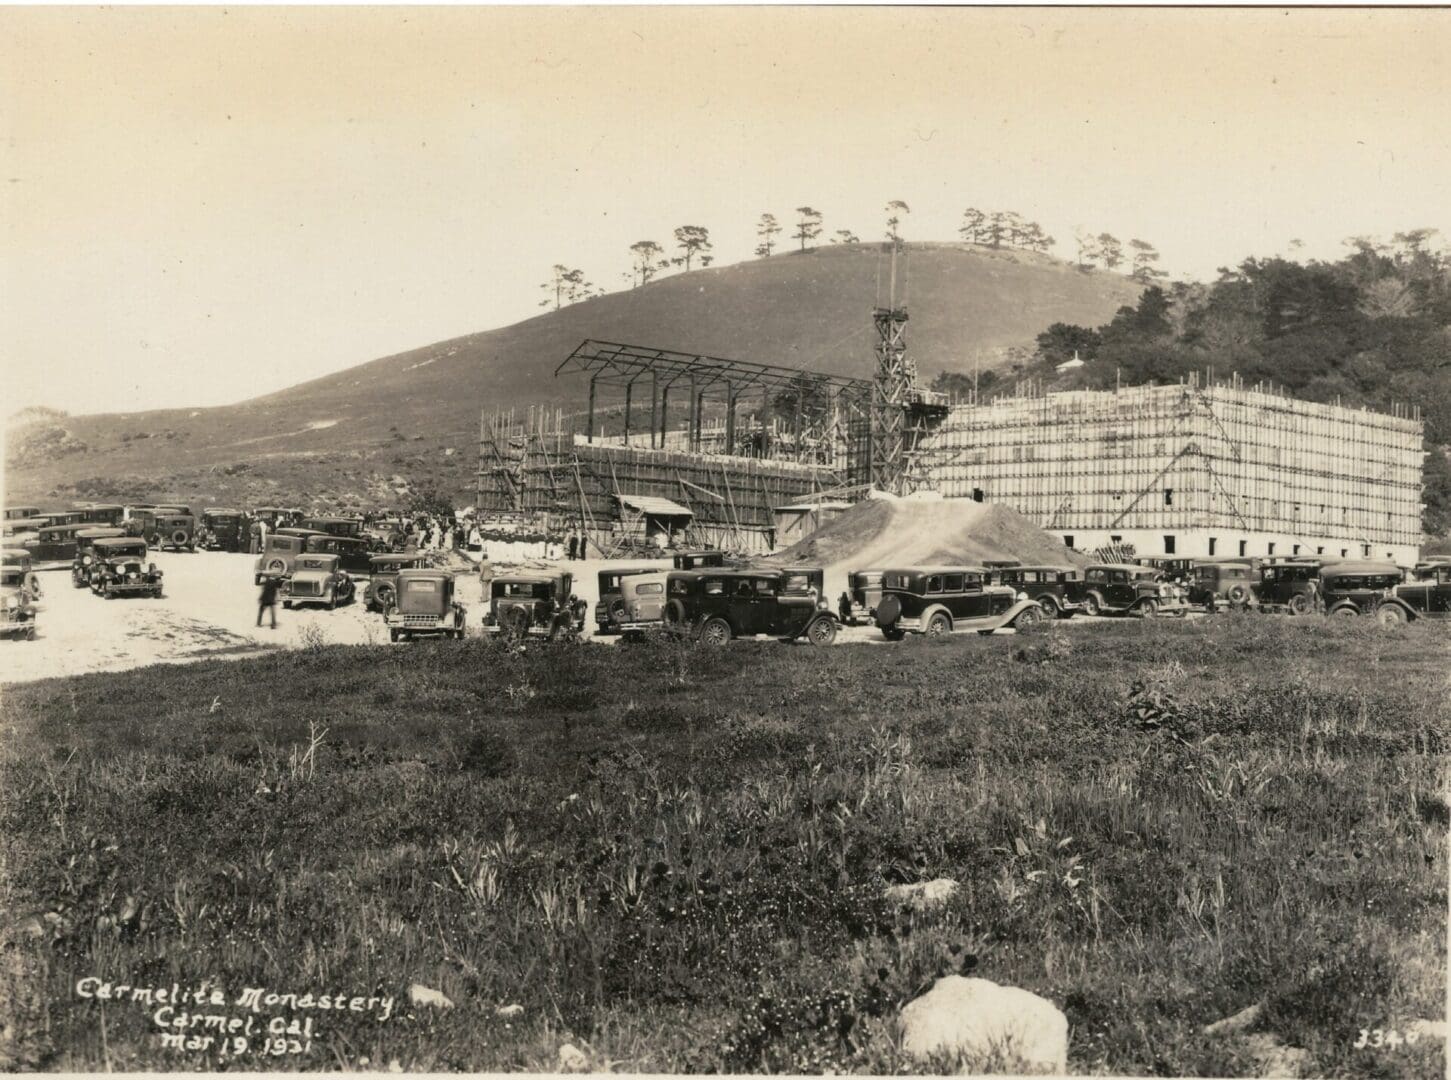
x=209 y=610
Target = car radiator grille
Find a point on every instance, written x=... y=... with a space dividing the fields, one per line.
x=306 y=588
x=420 y=620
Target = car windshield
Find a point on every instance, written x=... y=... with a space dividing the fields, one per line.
x=796 y=583
x=534 y=590
x=123 y=551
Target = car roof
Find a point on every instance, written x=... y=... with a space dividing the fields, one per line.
x=1359 y=566
x=529 y=579
x=1222 y=563
x=111 y=541
x=326 y=556
x=293 y=530
x=101 y=532
x=331 y=517
x=421 y=572
x=393 y=557
x=220 y=510
x=964 y=568
x=1060 y=567
x=1138 y=567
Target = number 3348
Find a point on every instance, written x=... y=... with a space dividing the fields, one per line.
x=1378 y=1037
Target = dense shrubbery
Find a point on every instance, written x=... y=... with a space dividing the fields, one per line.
x=676 y=856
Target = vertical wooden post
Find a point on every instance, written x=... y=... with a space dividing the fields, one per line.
x=589 y=430
x=730 y=424
x=654 y=405
x=629 y=388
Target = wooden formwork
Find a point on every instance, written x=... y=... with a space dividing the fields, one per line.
x=535 y=466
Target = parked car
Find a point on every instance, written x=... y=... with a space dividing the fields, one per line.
x=1129 y=589
x=83 y=559
x=335 y=526
x=276 y=517
x=20 y=559
x=1215 y=585
x=103 y=514
x=1356 y=587
x=534 y=604
x=386 y=535
x=352 y=551
x=316 y=579
x=17 y=606
x=171 y=529
x=610 y=607
x=424 y=606
x=1427 y=595
x=1056 y=588
x=698 y=560
x=1289 y=585
x=935 y=600
x=223 y=529
x=119 y=568
x=864 y=590
x=52 y=545
x=65 y=517
x=280 y=552
x=718 y=604
x=382 y=589
x=21 y=513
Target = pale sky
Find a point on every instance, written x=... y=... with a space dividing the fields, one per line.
x=200 y=205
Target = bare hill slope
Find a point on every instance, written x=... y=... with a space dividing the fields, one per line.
x=355 y=434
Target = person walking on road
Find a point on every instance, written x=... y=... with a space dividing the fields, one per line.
x=267 y=599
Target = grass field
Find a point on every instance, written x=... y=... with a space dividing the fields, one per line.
x=674 y=858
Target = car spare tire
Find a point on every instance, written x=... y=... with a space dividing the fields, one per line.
x=1238 y=594
x=617 y=610
x=515 y=620
x=178 y=537
x=889 y=610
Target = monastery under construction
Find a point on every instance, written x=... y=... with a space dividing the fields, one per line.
x=754 y=455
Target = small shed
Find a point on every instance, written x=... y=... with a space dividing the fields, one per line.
x=662 y=518
x=800 y=520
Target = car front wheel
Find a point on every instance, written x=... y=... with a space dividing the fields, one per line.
x=1390 y=615
x=1026 y=618
x=1149 y=609
x=1300 y=604
x=822 y=632
x=938 y=625
x=715 y=632
x=1091 y=606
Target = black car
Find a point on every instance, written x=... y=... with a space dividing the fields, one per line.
x=1427 y=595
x=718 y=604
x=1362 y=588
x=935 y=600
x=1053 y=588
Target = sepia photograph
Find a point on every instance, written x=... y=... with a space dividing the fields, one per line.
x=725 y=540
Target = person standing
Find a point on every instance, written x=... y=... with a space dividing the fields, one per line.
x=573 y=547
x=267 y=599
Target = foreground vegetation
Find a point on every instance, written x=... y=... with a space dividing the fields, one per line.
x=674 y=858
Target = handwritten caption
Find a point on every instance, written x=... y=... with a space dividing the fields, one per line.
x=255 y=1022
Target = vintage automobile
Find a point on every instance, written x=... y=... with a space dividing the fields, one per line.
x=276 y=517
x=222 y=529
x=1361 y=587
x=1052 y=588
x=17 y=607
x=83 y=559
x=171 y=529
x=1291 y=585
x=1426 y=595
x=316 y=579
x=52 y=545
x=280 y=551
x=21 y=513
x=383 y=573
x=1214 y=585
x=935 y=600
x=20 y=559
x=803 y=581
x=65 y=517
x=522 y=605
x=720 y=603
x=353 y=552
x=103 y=514
x=119 y=567
x=697 y=560
x=610 y=607
x=864 y=591
x=424 y=606
x=1128 y=589
x=386 y=536
x=335 y=526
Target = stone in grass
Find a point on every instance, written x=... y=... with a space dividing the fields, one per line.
x=422 y=995
x=1427 y=1029
x=572 y=1059
x=1240 y=1021
x=1275 y=1058
x=509 y=1011
x=922 y=895
x=979 y=1018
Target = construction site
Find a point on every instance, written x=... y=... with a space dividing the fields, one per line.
x=677 y=449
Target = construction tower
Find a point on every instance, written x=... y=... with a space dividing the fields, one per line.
x=902 y=412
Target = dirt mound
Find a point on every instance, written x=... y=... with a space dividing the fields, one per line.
x=905 y=532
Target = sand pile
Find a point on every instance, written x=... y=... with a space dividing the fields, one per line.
x=907 y=532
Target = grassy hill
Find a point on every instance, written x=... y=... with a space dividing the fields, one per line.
x=355 y=435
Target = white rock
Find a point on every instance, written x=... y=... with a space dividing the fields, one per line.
x=922 y=895
x=1274 y=1058
x=509 y=1010
x=572 y=1059
x=1427 y=1029
x=982 y=1019
x=1238 y=1022
x=422 y=995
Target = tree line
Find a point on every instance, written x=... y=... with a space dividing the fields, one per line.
x=993 y=229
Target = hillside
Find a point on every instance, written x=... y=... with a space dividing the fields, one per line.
x=356 y=434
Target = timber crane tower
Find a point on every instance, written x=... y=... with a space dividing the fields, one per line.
x=902 y=412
